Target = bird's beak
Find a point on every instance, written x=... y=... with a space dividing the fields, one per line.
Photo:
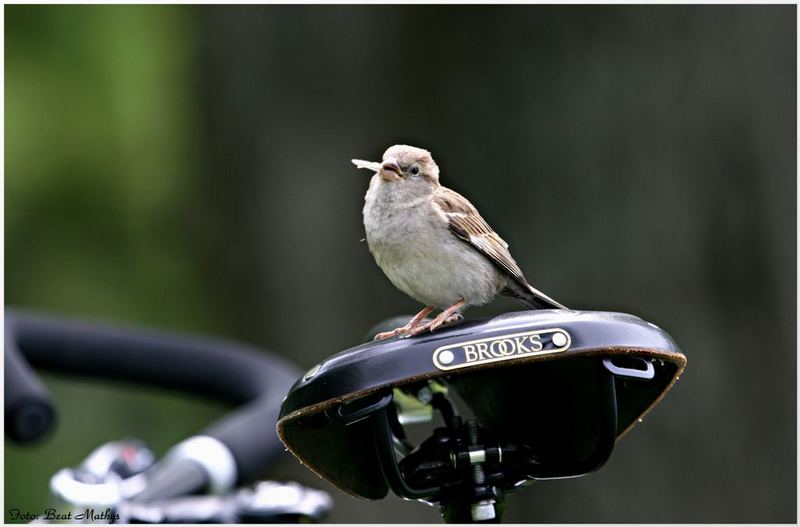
x=390 y=170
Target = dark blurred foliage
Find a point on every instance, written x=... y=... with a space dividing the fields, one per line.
x=188 y=167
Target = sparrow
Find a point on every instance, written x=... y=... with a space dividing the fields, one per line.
x=433 y=245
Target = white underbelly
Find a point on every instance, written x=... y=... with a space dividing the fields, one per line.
x=431 y=265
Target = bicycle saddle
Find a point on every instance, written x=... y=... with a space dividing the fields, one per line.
x=550 y=390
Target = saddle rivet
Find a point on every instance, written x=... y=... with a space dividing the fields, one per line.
x=559 y=339
x=446 y=357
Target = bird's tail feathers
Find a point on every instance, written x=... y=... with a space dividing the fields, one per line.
x=535 y=299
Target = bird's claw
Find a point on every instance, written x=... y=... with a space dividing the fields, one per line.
x=455 y=317
x=415 y=327
x=389 y=334
x=433 y=325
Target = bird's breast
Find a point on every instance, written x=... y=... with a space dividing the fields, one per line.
x=414 y=247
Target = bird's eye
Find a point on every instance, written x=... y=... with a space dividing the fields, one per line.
x=415 y=171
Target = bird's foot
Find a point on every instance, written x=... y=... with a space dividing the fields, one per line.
x=435 y=324
x=389 y=334
x=412 y=324
x=417 y=330
x=455 y=317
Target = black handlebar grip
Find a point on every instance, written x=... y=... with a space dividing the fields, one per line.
x=29 y=412
x=251 y=379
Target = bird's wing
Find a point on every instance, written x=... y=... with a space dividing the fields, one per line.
x=465 y=222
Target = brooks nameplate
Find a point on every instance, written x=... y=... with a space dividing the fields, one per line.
x=501 y=347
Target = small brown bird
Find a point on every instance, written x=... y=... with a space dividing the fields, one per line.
x=433 y=244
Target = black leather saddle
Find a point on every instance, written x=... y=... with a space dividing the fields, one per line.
x=523 y=396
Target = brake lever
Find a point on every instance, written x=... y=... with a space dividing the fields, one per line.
x=104 y=488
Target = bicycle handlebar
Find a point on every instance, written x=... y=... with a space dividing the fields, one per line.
x=253 y=381
x=29 y=412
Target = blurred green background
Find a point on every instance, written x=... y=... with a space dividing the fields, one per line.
x=187 y=168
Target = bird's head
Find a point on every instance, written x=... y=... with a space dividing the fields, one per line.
x=405 y=165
